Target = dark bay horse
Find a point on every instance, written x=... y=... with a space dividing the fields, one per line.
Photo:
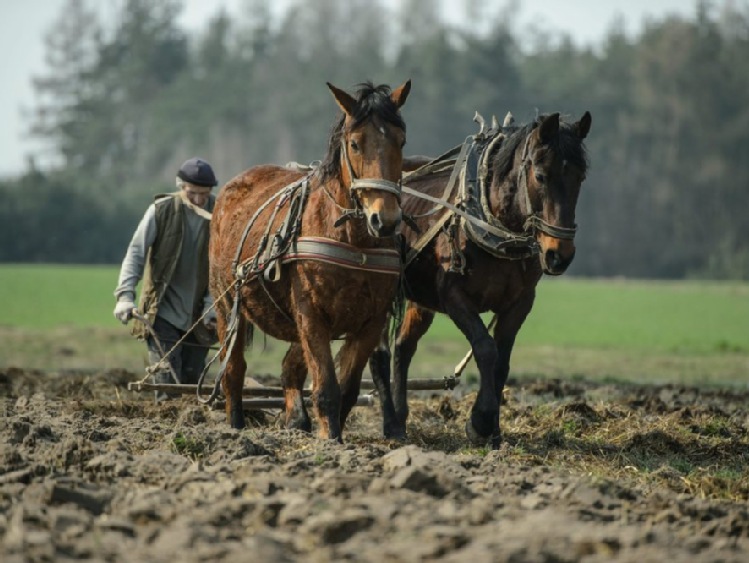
x=512 y=220
x=311 y=258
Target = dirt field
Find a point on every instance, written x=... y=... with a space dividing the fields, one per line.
x=587 y=473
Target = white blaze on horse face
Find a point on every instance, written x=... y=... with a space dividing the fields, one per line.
x=381 y=147
x=382 y=160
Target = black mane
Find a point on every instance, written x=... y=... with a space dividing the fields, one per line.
x=567 y=143
x=372 y=101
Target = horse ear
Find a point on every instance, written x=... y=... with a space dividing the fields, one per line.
x=583 y=126
x=344 y=100
x=549 y=128
x=400 y=94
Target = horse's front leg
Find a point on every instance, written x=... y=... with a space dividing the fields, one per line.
x=293 y=375
x=232 y=381
x=483 y=423
x=507 y=328
x=416 y=322
x=314 y=340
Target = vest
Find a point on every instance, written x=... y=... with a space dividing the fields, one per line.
x=163 y=254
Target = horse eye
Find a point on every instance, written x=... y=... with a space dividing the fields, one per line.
x=354 y=146
x=540 y=177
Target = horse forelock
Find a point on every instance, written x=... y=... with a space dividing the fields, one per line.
x=372 y=102
x=375 y=102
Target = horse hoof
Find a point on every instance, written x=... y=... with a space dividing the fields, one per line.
x=397 y=434
x=304 y=425
x=479 y=440
x=237 y=419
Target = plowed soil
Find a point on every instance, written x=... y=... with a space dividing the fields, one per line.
x=587 y=472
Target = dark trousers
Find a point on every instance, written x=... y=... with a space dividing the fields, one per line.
x=187 y=359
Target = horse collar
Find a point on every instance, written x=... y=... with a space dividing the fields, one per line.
x=474 y=198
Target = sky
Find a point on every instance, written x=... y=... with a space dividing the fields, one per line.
x=26 y=22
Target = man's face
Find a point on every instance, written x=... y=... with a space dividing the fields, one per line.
x=197 y=195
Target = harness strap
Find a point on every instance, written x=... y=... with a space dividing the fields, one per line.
x=420 y=244
x=437 y=164
x=506 y=233
x=230 y=339
x=330 y=251
x=535 y=222
x=440 y=163
x=377 y=184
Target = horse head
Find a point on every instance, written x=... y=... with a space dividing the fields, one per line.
x=369 y=150
x=553 y=166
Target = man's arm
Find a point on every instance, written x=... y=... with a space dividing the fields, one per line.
x=134 y=262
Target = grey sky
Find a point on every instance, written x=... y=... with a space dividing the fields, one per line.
x=26 y=21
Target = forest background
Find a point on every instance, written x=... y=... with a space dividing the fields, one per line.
x=124 y=101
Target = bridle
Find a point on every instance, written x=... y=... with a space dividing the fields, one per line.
x=357 y=184
x=533 y=221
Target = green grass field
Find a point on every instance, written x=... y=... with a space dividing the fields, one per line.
x=58 y=317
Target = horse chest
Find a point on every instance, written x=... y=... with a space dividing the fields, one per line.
x=351 y=299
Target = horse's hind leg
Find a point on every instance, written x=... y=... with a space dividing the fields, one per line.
x=352 y=358
x=233 y=378
x=416 y=322
x=293 y=374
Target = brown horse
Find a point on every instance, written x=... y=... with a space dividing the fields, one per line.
x=512 y=220
x=311 y=258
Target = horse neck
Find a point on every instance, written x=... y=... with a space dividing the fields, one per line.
x=505 y=196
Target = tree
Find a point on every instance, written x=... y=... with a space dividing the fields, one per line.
x=66 y=93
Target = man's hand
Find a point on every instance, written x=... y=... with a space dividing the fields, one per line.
x=210 y=319
x=123 y=311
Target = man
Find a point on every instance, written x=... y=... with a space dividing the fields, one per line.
x=169 y=251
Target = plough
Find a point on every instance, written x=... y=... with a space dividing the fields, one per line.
x=258 y=396
x=265 y=397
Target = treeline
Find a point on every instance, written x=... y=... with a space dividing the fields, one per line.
x=129 y=94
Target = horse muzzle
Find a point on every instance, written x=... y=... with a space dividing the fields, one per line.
x=380 y=201
x=380 y=224
x=554 y=263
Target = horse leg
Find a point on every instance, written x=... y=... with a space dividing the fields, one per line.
x=483 y=423
x=233 y=378
x=352 y=359
x=379 y=367
x=293 y=374
x=416 y=322
x=507 y=328
x=326 y=393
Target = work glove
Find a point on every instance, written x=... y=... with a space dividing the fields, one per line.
x=209 y=318
x=123 y=311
